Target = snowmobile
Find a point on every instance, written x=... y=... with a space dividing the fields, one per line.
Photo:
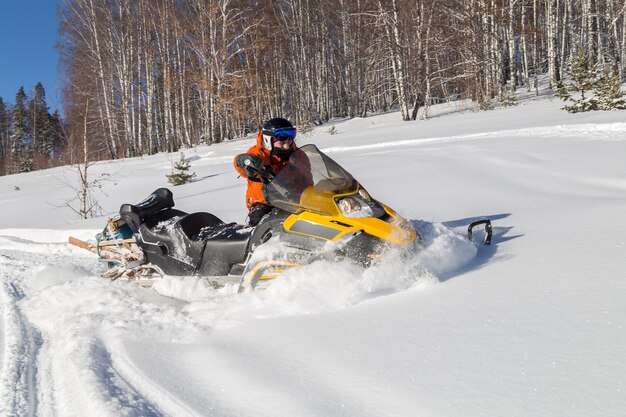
x=320 y=212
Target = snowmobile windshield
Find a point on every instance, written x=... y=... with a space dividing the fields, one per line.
x=308 y=183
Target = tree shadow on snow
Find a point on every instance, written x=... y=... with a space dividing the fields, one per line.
x=484 y=254
x=205 y=177
x=208 y=192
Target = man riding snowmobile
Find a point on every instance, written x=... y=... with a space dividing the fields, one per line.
x=274 y=145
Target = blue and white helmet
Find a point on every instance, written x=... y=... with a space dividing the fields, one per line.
x=277 y=129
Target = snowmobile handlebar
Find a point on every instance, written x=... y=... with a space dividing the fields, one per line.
x=265 y=173
x=488 y=230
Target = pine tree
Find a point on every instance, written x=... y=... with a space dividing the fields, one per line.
x=39 y=117
x=582 y=78
x=21 y=143
x=5 y=129
x=608 y=91
x=181 y=176
x=54 y=138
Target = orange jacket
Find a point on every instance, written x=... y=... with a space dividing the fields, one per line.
x=254 y=193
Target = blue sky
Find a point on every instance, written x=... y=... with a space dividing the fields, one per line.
x=28 y=34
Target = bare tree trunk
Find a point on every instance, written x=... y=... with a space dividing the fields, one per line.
x=524 y=39
x=392 y=30
x=622 y=67
x=512 y=64
x=84 y=181
x=488 y=52
x=595 y=46
x=612 y=17
x=182 y=104
x=424 y=69
x=553 y=68
x=535 y=48
x=108 y=120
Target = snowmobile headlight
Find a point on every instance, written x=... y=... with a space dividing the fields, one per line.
x=356 y=206
x=352 y=207
x=360 y=204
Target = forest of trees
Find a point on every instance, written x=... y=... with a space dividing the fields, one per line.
x=30 y=137
x=144 y=76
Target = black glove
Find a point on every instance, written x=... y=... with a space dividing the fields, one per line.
x=250 y=163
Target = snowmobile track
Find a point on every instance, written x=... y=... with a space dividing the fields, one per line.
x=33 y=370
x=116 y=389
x=21 y=344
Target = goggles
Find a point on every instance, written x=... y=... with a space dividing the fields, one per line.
x=284 y=133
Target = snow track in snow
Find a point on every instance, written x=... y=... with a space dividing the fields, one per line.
x=20 y=346
x=611 y=132
x=54 y=371
x=94 y=386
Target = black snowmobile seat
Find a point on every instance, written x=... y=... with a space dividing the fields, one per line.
x=225 y=242
x=133 y=215
x=182 y=243
x=193 y=243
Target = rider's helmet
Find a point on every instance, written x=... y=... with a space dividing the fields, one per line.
x=278 y=129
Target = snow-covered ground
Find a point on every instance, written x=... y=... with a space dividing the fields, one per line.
x=533 y=325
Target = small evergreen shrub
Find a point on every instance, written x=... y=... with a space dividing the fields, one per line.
x=179 y=175
x=587 y=89
x=607 y=90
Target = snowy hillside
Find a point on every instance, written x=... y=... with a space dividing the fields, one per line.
x=534 y=325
